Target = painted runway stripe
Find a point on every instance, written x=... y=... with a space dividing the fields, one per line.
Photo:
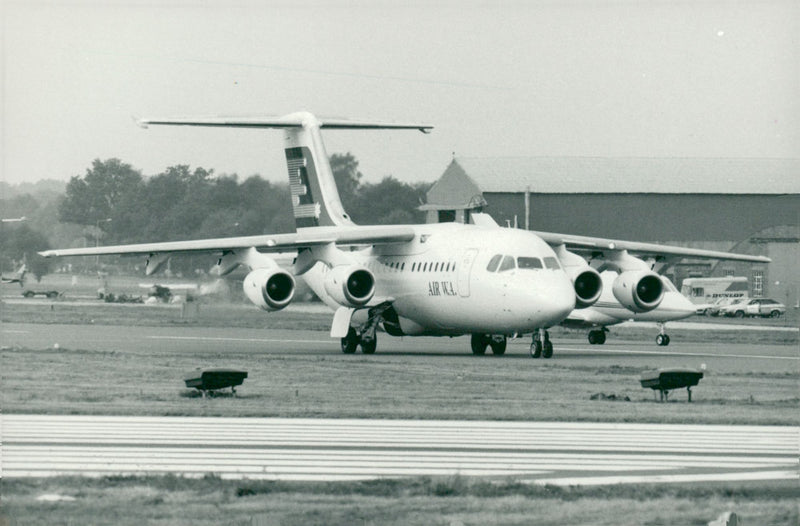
x=246 y=340
x=351 y=449
x=678 y=353
x=592 y=349
x=654 y=479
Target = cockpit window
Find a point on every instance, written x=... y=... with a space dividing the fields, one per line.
x=551 y=263
x=529 y=263
x=492 y=266
x=507 y=264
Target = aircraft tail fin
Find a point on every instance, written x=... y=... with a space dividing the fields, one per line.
x=18 y=276
x=315 y=198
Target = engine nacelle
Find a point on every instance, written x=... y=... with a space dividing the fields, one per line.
x=350 y=285
x=638 y=290
x=269 y=288
x=588 y=285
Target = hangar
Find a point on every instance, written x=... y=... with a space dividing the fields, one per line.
x=744 y=205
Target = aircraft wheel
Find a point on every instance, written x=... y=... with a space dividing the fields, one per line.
x=662 y=340
x=350 y=342
x=536 y=349
x=547 y=351
x=597 y=337
x=498 y=346
x=369 y=346
x=479 y=343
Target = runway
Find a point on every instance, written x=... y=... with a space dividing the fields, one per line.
x=350 y=449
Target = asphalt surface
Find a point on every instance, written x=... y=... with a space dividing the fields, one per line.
x=347 y=449
x=722 y=357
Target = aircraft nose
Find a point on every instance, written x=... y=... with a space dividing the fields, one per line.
x=555 y=299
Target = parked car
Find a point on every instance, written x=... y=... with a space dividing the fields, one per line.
x=764 y=307
x=731 y=308
x=712 y=309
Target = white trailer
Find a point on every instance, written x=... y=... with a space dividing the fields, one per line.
x=711 y=293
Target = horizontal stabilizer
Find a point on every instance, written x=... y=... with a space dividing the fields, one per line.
x=292 y=120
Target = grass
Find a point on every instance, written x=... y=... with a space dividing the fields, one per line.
x=446 y=501
x=148 y=381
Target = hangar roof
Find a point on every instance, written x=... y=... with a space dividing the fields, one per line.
x=555 y=175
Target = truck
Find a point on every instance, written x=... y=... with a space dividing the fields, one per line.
x=706 y=292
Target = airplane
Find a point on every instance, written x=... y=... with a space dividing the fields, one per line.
x=443 y=279
x=608 y=311
x=17 y=277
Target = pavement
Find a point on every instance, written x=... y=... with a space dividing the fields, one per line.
x=349 y=449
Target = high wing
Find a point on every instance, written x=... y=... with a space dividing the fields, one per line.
x=303 y=238
x=602 y=247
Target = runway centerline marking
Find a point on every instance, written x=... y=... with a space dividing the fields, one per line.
x=229 y=339
x=667 y=353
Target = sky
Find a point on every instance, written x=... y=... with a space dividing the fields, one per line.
x=539 y=78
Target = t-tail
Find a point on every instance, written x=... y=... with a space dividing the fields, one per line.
x=315 y=198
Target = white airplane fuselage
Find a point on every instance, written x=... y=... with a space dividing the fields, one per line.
x=439 y=283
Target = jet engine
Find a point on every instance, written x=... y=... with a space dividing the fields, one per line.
x=588 y=285
x=350 y=285
x=269 y=288
x=638 y=290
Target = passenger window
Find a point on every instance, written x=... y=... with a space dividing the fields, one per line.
x=529 y=263
x=492 y=266
x=507 y=264
x=551 y=263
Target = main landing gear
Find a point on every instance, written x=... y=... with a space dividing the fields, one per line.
x=597 y=336
x=353 y=339
x=497 y=342
x=663 y=338
x=541 y=347
x=366 y=335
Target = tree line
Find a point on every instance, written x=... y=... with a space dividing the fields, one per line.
x=114 y=203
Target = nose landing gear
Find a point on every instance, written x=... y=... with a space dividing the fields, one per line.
x=541 y=346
